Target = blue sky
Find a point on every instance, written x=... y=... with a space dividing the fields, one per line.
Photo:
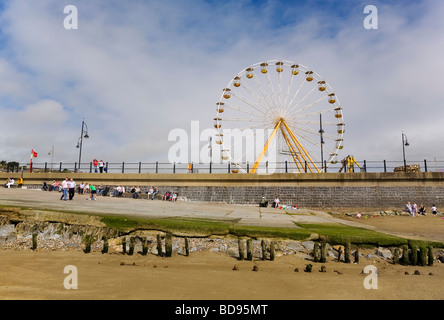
x=135 y=70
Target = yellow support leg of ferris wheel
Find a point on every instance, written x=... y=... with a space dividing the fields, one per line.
x=300 y=147
x=258 y=160
x=293 y=152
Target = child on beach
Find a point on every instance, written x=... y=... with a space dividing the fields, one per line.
x=93 y=191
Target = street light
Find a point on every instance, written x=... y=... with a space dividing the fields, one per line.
x=405 y=143
x=51 y=152
x=321 y=132
x=80 y=141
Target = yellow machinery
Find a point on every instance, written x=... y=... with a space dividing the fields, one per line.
x=348 y=164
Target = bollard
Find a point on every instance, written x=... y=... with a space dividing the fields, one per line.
x=131 y=246
x=357 y=255
x=187 y=247
x=422 y=256
x=144 y=246
x=272 y=250
x=241 y=249
x=34 y=241
x=124 y=245
x=87 y=240
x=323 y=252
x=316 y=252
x=264 y=250
x=413 y=254
x=430 y=256
x=105 y=245
x=347 y=252
x=168 y=245
x=159 y=246
x=249 y=249
x=396 y=255
x=405 y=255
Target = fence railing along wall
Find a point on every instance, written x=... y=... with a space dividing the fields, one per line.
x=266 y=167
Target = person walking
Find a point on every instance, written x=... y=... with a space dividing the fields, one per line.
x=71 y=188
x=93 y=191
x=64 y=190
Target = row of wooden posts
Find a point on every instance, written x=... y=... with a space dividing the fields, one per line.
x=407 y=255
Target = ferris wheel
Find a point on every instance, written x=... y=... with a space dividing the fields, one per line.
x=276 y=111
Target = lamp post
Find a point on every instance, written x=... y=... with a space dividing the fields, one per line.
x=51 y=152
x=80 y=141
x=405 y=143
x=321 y=132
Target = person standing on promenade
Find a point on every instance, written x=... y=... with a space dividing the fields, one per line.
x=72 y=188
x=64 y=189
x=95 y=164
x=101 y=165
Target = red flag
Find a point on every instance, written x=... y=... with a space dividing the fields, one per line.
x=34 y=154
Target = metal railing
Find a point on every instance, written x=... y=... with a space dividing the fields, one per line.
x=266 y=167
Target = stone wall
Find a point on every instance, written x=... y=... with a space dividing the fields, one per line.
x=321 y=190
x=317 y=196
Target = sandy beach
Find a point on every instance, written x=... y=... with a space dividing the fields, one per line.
x=207 y=276
x=26 y=274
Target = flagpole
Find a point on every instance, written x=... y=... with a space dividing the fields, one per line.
x=30 y=163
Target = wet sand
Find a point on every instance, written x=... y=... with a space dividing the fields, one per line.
x=206 y=276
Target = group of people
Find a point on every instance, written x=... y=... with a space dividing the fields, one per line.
x=169 y=196
x=10 y=181
x=152 y=192
x=100 y=165
x=414 y=211
x=119 y=191
x=68 y=188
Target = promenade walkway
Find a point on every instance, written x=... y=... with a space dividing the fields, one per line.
x=142 y=208
x=425 y=228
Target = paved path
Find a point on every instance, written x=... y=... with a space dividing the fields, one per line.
x=241 y=214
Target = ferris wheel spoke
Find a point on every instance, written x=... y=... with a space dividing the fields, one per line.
x=296 y=93
x=298 y=121
x=244 y=120
x=246 y=101
x=304 y=131
x=289 y=86
x=272 y=93
x=302 y=100
x=313 y=113
x=262 y=103
x=310 y=105
x=243 y=110
x=264 y=94
x=281 y=98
